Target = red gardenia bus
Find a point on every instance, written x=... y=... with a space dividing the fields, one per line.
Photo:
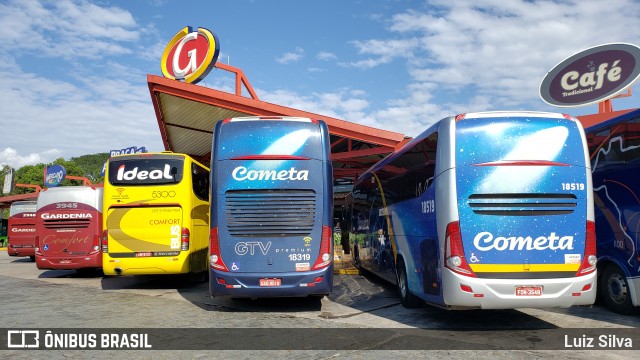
x=69 y=227
x=21 y=232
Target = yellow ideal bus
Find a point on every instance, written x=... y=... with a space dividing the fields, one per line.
x=156 y=215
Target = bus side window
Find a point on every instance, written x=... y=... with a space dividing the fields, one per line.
x=427 y=171
x=200 y=182
x=411 y=173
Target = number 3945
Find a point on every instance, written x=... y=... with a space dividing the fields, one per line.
x=573 y=186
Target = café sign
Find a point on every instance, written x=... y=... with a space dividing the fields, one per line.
x=592 y=75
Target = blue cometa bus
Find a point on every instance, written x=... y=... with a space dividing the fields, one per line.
x=484 y=210
x=614 y=146
x=271 y=208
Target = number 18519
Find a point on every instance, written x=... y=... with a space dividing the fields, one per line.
x=572 y=186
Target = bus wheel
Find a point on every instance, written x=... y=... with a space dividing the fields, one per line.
x=33 y=258
x=615 y=290
x=408 y=299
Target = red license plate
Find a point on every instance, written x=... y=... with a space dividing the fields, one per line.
x=528 y=290
x=270 y=282
x=65 y=261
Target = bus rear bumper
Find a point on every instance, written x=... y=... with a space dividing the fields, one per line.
x=69 y=263
x=247 y=285
x=501 y=293
x=21 y=251
x=165 y=265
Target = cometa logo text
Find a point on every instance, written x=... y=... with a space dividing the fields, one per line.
x=241 y=173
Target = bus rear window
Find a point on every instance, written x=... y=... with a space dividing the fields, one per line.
x=145 y=171
x=269 y=137
x=491 y=140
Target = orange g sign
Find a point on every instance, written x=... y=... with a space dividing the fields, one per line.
x=190 y=55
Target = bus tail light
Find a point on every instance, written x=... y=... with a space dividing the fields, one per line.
x=38 y=252
x=454 y=251
x=215 y=259
x=95 y=248
x=325 y=258
x=185 y=239
x=105 y=241
x=589 y=261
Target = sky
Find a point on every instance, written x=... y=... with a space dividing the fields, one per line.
x=73 y=73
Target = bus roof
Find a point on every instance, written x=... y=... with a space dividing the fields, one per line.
x=258 y=118
x=20 y=207
x=91 y=195
x=518 y=113
x=615 y=120
x=24 y=203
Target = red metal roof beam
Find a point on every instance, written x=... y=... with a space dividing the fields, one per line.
x=380 y=150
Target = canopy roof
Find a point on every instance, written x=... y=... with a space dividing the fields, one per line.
x=187 y=114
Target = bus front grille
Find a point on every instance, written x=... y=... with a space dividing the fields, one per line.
x=522 y=204
x=270 y=212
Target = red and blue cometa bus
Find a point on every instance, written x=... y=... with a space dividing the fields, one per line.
x=614 y=146
x=21 y=230
x=484 y=210
x=271 y=208
x=69 y=228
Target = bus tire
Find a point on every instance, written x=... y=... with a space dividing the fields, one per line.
x=615 y=290
x=33 y=258
x=408 y=299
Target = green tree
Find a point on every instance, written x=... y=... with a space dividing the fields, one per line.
x=91 y=166
x=88 y=166
x=72 y=169
x=30 y=175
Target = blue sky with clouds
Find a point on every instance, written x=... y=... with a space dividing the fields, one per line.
x=73 y=74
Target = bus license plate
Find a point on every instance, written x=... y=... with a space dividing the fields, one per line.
x=270 y=282
x=528 y=290
x=65 y=261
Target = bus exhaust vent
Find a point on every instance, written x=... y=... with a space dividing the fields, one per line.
x=270 y=212
x=522 y=204
x=67 y=224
